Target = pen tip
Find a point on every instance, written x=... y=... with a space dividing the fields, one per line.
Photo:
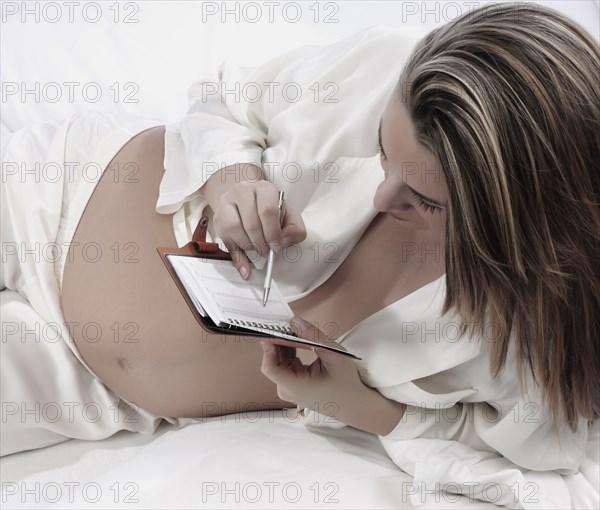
x=265 y=296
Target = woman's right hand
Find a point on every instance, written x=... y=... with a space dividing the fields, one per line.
x=246 y=217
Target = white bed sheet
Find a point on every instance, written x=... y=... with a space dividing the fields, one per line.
x=245 y=460
x=236 y=461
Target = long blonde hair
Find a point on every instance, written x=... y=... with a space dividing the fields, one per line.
x=508 y=99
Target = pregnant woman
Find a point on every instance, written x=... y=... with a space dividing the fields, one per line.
x=460 y=262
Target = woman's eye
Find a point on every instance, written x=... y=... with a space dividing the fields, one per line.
x=427 y=207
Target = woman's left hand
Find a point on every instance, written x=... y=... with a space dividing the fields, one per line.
x=330 y=382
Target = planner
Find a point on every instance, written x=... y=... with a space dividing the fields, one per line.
x=223 y=302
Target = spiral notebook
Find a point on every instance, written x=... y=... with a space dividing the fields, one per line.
x=218 y=291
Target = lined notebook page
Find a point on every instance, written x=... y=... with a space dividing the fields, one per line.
x=218 y=288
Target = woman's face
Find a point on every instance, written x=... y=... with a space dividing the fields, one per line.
x=410 y=168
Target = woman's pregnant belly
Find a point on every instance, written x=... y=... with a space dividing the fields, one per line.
x=129 y=321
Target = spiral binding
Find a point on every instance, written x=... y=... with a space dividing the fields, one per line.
x=281 y=329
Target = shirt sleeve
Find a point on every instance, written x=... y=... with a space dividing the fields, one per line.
x=497 y=419
x=504 y=452
x=231 y=110
x=438 y=465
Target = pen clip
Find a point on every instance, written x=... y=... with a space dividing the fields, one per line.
x=281 y=206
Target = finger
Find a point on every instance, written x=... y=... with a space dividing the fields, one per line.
x=267 y=204
x=317 y=367
x=297 y=366
x=293 y=227
x=228 y=226
x=272 y=366
x=294 y=363
x=285 y=355
x=252 y=224
x=239 y=258
x=270 y=360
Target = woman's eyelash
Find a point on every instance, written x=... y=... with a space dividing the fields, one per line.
x=428 y=207
x=425 y=205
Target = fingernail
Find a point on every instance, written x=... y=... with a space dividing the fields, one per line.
x=286 y=241
x=244 y=272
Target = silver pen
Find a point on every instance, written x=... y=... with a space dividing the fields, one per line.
x=269 y=277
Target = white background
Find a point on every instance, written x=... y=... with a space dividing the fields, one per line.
x=145 y=67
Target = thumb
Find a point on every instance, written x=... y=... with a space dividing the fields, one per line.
x=305 y=329
x=293 y=226
x=308 y=331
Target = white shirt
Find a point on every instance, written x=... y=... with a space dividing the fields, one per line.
x=410 y=353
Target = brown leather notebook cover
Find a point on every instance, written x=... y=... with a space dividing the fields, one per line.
x=198 y=247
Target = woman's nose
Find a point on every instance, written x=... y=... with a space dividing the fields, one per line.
x=386 y=196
